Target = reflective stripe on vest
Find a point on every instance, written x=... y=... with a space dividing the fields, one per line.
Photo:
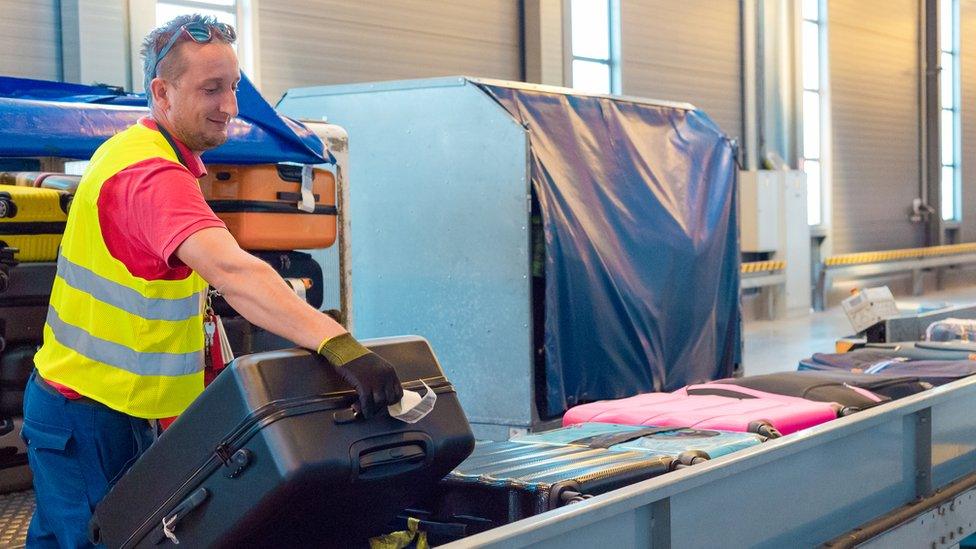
x=127 y=299
x=120 y=356
x=135 y=345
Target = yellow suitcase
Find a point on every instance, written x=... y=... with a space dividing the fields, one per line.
x=32 y=220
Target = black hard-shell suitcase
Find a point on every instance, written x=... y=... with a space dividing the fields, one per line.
x=246 y=338
x=16 y=365
x=23 y=302
x=290 y=265
x=298 y=265
x=502 y=482
x=271 y=455
x=844 y=388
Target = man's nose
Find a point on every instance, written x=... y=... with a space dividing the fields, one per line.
x=228 y=103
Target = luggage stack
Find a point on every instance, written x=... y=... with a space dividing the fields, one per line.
x=506 y=481
x=624 y=441
x=33 y=212
x=270 y=214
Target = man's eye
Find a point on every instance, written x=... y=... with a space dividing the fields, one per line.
x=210 y=90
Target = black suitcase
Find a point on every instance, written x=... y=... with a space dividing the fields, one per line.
x=844 y=388
x=16 y=365
x=290 y=265
x=298 y=265
x=502 y=482
x=271 y=455
x=246 y=338
x=23 y=302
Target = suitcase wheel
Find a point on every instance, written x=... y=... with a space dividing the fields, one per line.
x=689 y=458
x=7 y=207
x=764 y=428
x=565 y=493
x=847 y=410
x=570 y=497
x=65 y=201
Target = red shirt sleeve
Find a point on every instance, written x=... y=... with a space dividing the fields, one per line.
x=147 y=211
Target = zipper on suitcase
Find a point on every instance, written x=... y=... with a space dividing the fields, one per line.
x=258 y=206
x=254 y=422
x=619 y=469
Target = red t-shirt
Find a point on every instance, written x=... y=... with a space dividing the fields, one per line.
x=146 y=211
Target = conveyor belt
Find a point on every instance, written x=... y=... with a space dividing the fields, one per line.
x=16 y=509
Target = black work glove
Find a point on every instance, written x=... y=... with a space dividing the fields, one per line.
x=374 y=379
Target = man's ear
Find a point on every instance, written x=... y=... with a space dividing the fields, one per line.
x=159 y=89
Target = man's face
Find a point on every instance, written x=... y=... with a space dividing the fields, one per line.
x=201 y=102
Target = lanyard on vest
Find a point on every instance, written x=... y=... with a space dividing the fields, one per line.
x=172 y=143
x=216 y=349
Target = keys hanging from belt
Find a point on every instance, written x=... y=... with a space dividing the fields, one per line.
x=216 y=349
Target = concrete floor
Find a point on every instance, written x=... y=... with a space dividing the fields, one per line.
x=778 y=345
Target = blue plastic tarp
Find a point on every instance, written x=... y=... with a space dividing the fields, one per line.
x=642 y=258
x=41 y=118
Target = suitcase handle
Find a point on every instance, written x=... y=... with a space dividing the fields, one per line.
x=169 y=522
x=390 y=455
x=391 y=460
x=612 y=439
x=290 y=172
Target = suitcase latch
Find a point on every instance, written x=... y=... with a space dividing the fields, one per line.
x=238 y=462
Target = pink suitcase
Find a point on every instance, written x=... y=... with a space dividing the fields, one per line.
x=756 y=411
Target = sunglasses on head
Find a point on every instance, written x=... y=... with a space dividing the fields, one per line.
x=201 y=33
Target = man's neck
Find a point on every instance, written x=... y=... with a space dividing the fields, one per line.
x=163 y=123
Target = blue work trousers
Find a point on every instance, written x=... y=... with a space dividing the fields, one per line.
x=77 y=450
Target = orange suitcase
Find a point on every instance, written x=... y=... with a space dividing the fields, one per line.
x=260 y=203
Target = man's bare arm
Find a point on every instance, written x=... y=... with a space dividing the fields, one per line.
x=254 y=289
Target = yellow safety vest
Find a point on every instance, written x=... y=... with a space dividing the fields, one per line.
x=132 y=344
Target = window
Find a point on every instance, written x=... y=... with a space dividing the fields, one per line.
x=814 y=69
x=596 y=45
x=949 y=100
x=236 y=13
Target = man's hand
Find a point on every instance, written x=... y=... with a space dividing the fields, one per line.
x=374 y=379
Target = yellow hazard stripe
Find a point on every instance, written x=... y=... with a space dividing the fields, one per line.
x=762 y=266
x=900 y=254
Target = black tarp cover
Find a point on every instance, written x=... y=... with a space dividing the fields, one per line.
x=642 y=259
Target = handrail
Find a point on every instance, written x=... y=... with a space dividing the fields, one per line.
x=913 y=260
x=859 y=258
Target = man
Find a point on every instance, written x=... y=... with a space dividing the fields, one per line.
x=124 y=339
